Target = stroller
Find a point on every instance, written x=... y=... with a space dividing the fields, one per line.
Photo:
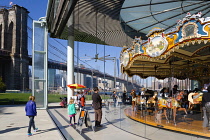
x=63 y=102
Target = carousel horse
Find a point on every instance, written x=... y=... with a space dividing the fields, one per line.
x=194 y=98
x=152 y=101
x=140 y=104
x=170 y=103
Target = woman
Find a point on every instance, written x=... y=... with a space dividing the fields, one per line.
x=31 y=112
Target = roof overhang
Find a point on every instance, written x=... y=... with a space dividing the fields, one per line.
x=58 y=13
x=95 y=21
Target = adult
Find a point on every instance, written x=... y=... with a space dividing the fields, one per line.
x=114 y=96
x=164 y=93
x=97 y=105
x=31 y=112
x=206 y=108
x=174 y=91
x=124 y=96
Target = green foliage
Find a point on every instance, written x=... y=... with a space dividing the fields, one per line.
x=22 y=98
x=2 y=85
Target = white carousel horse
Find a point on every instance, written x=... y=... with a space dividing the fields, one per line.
x=194 y=98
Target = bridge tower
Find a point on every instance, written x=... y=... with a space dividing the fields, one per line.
x=13 y=39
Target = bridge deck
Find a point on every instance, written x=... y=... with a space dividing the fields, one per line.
x=191 y=125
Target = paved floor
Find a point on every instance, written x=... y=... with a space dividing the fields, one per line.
x=108 y=131
x=14 y=124
x=55 y=126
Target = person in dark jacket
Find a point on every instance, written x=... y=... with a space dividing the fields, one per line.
x=97 y=105
x=31 y=112
x=124 y=96
x=206 y=111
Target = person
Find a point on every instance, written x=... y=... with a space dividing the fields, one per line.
x=97 y=105
x=206 y=110
x=115 y=98
x=174 y=91
x=80 y=100
x=184 y=100
x=31 y=112
x=72 y=111
x=133 y=94
x=164 y=93
x=124 y=96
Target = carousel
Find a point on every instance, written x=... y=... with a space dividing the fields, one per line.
x=181 y=53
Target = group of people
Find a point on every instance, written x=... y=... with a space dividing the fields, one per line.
x=31 y=111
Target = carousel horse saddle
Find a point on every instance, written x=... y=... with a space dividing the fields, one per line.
x=195 y=98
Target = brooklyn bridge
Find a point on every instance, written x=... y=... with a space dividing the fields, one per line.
x=16 y=55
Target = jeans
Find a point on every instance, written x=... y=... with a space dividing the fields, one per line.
x=31 y=123
x=115 y=102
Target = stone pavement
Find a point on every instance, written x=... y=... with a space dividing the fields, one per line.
x=14 y=124
x=53 y=124
x=108 y=131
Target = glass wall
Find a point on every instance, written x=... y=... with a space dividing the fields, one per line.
x=142 y=121
x=39 y=64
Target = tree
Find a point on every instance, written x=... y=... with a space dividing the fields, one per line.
x=2 y=86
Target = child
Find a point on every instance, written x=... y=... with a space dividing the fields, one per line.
x=30 y=110
x=71 y=111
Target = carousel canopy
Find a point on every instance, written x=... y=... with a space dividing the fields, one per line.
x=183 y=52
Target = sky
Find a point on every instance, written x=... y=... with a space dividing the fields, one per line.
x=37 y=9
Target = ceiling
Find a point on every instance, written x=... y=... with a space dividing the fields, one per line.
x=143 y=15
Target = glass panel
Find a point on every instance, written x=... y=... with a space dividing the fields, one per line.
x=39 y=37
x=39 y=59
x=40 y=64
x=39 y=88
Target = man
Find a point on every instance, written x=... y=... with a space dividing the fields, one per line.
x=124 y=96
x=206 y=110
x=97 y=105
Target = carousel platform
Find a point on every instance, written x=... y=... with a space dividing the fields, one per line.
x=190 y=124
